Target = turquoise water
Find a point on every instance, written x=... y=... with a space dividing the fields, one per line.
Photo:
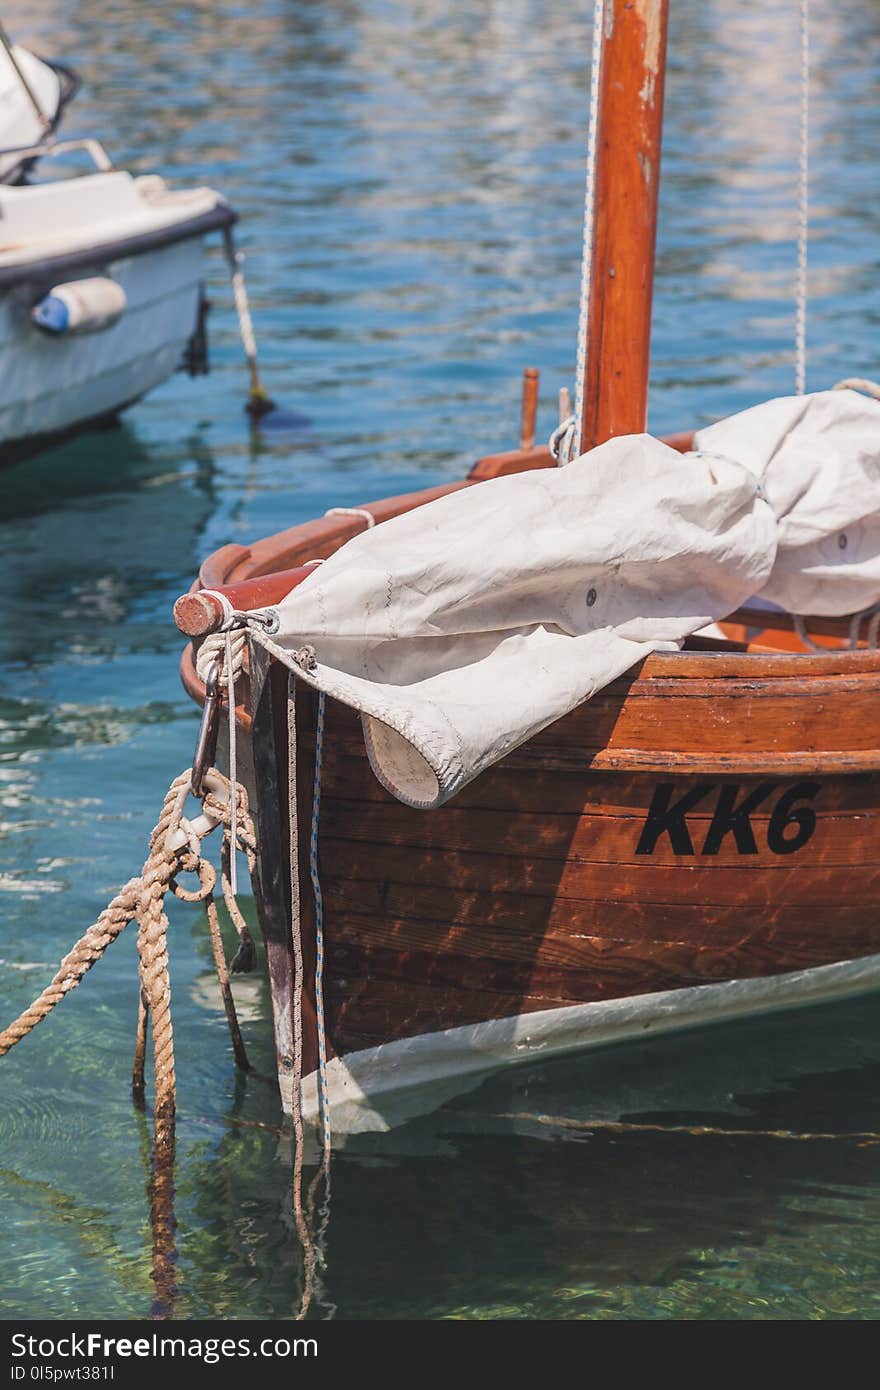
x=410 y=180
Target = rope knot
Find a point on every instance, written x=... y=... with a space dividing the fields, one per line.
x=305 y=657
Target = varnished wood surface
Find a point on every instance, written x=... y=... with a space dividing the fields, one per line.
x=630 y=119
x=528 y=892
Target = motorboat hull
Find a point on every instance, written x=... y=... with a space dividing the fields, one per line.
x=54 y=386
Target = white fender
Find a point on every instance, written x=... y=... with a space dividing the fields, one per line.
x=80 y=306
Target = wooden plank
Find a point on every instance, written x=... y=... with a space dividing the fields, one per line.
x=563 y=941
x=503 y=788
x=501 y=888
x=599 y=839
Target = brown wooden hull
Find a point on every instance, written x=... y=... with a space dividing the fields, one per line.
x=548 y=883
x=711 y=818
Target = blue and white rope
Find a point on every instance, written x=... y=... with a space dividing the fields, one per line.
x=570 y=445
x=319 y=928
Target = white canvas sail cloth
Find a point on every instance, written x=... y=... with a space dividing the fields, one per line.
x=462 y=628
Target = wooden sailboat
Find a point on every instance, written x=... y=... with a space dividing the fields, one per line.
x=696 y=843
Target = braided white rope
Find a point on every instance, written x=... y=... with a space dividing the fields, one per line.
x=215 y=647
x=319 y=930
x=800 y=330
x=859 y=383
x=229 y=662
x=227 y=646
x=570 y=445
x=353 y=511
x=296 y=941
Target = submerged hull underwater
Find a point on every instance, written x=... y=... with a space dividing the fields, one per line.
x=695 y=843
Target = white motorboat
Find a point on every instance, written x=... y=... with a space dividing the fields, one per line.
x=33 y=95
x=100 y=294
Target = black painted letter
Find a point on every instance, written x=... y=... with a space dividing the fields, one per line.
x=664 y=819
x=730 y=818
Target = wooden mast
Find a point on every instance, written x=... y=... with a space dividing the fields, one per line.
x=625 y=221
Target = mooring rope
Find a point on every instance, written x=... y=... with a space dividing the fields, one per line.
x=319 y=927
x=302 y=1225
x=258 y=401
x=175 y=847
x=304 y=1218
x=228 y=647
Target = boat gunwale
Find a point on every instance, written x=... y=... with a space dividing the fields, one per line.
x=48 y=267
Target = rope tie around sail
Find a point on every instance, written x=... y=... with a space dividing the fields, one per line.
x=561 y=440
x=859 y=383
x=351 y=511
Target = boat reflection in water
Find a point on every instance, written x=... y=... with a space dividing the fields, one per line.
x=731 y=1143
x=98 y=533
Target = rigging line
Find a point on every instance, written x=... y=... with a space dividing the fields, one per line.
x=233 y=760
x=319 y=934
x=299 y=1216
x=571 y=446
x=800 y=332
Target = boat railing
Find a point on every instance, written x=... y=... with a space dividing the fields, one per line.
x=50 y=148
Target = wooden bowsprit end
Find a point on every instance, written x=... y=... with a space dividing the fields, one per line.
x=197 y=614
x=201 y=611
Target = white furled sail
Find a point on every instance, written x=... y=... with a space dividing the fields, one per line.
x=818 y=460
x=463 y=627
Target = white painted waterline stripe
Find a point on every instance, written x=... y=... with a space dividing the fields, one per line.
x=378 y=1087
